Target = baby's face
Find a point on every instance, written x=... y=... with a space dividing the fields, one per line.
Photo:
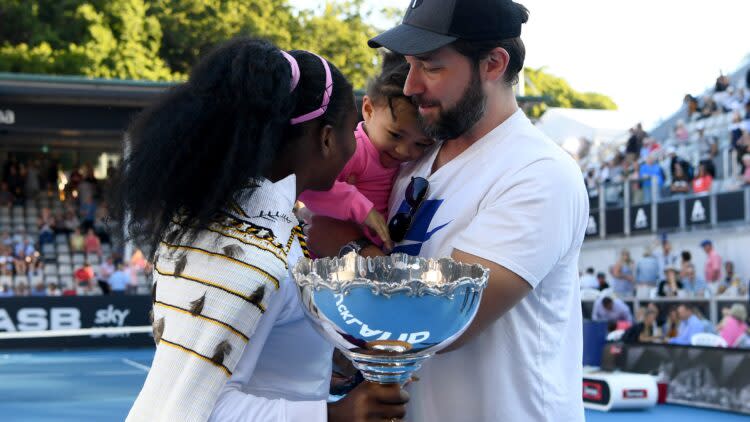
x=396 y=133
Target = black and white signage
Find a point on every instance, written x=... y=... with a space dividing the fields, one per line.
x=7 y=117
x=640 y=218
x=73 y=312
x=698 y=211
x=592 y=228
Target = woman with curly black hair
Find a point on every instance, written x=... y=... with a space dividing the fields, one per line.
x=209 y=183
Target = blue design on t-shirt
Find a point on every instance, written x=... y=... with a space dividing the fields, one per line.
x=418 y=231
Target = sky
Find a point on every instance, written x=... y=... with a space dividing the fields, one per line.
x=644 y=54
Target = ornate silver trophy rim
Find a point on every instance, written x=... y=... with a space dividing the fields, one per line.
x=340 y=275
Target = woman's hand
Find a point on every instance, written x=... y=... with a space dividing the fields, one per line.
x=370 y=402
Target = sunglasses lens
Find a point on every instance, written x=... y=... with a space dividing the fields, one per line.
x=416 y=191
x=398 y=226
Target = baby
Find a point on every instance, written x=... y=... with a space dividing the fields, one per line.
x=389 y=136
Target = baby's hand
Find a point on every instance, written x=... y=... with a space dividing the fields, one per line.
x=376 y=222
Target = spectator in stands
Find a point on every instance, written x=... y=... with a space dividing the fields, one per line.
x=704 y=180
x=588 y=280
x=15 y=183
x=39 y=290
x=21 y=289
x=671 y=324
x=21 y=263
x=708 y=108
x=689 y=325
x=693 y=283
x=6 y=197
x=691 y=103
x=645 y=331
x=77 y=241
x=87 y=213
x=119 y=281
x=680 y=180
x=84 y=277
x=648 y=170
x=623 y=273
x=46 y=226
x=25 y=247
x=734 y=325
x=601 y=279
x=53 y=290
x=6 y=260
x=106 y=268
x=722 y=84
x=665 y=255
x=730 y=277
x=671 y=285
x=607 y=308
x=70 y=221
x=631 y=170
x=100 y=223
x=92 y=244
x=6 y=291
x=708 y=149
x=647 y=269
x=712 y=269
x=738 y=133
x=635 y=142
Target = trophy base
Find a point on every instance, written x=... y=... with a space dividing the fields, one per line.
x=384 y=369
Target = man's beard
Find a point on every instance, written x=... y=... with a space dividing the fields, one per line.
x=454 y=122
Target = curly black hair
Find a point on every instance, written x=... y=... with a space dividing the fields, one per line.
x=206 y=139
x=389 y=84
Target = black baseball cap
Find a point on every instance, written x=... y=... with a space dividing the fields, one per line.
x=431 y=24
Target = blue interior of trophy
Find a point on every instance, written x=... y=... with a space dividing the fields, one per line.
x=398 y=322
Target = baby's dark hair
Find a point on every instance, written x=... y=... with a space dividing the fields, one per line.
x=389 y=84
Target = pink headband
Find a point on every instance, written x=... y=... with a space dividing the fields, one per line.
x=295 y=80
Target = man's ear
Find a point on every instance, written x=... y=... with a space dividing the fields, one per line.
x=496 y=64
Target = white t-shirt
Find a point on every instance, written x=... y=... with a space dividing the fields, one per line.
x=517 y=199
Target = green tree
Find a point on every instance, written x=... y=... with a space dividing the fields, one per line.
x=191 y=27
x=340 y=34
x=162 y=39
x=558 y=93
x=109 y=39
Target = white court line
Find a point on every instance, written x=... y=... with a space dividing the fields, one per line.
x=136 y=364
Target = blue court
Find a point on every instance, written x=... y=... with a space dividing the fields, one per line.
x=100 y=385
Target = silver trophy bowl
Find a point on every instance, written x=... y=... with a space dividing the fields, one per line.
x=388 y=314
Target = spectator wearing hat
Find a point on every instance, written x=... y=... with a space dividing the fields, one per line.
x=734 y=325
x=712 y=268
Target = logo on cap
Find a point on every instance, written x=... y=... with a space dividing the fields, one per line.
x=415 y=4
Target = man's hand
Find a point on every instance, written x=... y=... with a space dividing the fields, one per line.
x=370 y=402
x=504 y=290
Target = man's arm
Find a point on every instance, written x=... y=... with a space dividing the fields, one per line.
x=504 y=290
